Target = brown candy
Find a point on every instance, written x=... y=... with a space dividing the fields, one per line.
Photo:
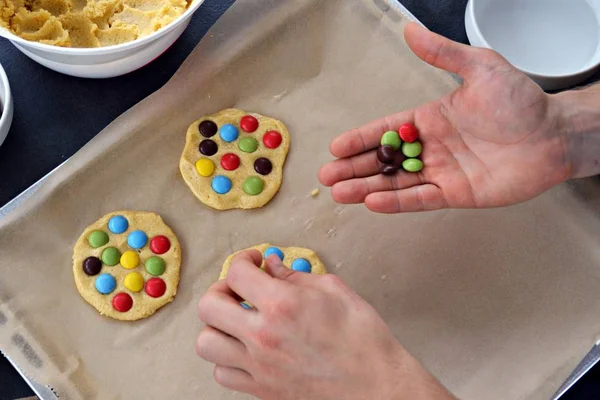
x=263 y=166
x=386 y=154
x=92 y=266
x=208 y=147
x=388 y=169
x=208 y=128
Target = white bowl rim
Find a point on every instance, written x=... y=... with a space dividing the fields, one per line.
x=471 y=10
x=107 y=49
x=6 y=98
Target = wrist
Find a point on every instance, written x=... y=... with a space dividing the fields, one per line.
x=579 y=125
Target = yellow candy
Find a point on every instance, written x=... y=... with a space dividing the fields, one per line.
x=134 y=281
x=130 y=259
x=205 y=167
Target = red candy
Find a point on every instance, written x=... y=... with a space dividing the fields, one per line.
x=122 y=302
x=160 y=244
x=230 y=161
x=249 y=123
x=408 y=133
x=156 y=287
x=272 y=139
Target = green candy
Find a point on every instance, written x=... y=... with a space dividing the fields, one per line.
x=155 y=266
x=412 y=149
x=98 y=239
x=253 y=185
x=110 y=256
x=412 y=165
x=391 y=138
x=248 y=145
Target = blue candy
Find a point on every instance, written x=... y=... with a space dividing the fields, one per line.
x=301 y=265
x=137 y=239
x=221 y=184
x=246 y=306
x=105 y=283
x=274 y=250
x=118 y=224
x=228 y=133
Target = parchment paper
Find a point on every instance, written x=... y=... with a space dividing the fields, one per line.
x=498 y=304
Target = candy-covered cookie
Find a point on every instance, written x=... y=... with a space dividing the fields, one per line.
x=297 y=258
x=234 y=159
x=127 y=264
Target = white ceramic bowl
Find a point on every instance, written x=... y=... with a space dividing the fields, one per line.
x=555 y=42
x=6 y=105
x=105 y=62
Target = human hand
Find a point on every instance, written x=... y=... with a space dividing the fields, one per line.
x=307 y=337
x=494 y=141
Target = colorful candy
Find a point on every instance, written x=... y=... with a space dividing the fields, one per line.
x=388 y=169
x=221 y=184
x=207 y=128
x=133 y=281
x=205 y=167
x=155 y=287
x=412 y=150
x=155 y=266
x=391 y=138
x=160 y=244
x=248 y=145
x=412 y=165
x=97 y=239
x=118 y=224
x=230 y=161
x=228 y=133
x=130 y=259
x=137 y=239
x=248 y=123
x=110 y=256
x=263 y=166
x=253 y=185
x=91 y=266
x=208 y=147
x=274 y=250
x=272 y=139
x=246 y=306
x=105 y=283
x=408 y=133
x=122 y=302
x=301 y=265
x=386 y=154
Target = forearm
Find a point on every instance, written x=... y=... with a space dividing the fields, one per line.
x=580 y=125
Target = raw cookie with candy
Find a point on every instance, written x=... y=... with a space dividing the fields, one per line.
x=297 y=258
x=234 y=159
x=126 y=264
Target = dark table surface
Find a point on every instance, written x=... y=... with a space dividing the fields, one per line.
x=52 y=120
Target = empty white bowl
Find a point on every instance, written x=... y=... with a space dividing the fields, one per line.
x=555 y=42
x=105 y=62
x=6 y=106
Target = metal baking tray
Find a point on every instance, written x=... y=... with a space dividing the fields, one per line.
x=45 y=392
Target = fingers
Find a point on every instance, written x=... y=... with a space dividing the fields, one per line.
x=441 y=52
x=347 y=168
x=355 y=191
x=250 y=282
x=367 y=137
x=220 y=308
x=235 y=379
x=426 y=197
x=218 y=348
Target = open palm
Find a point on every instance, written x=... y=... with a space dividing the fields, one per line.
x=494 y=141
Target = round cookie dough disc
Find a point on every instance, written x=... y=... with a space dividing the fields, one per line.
x=143 y=305
x=236 y=197
x=289 y=255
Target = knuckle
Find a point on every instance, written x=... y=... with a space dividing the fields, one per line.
x=204 y=307
x=219 y=374
x=266 y=339
x=202 y=345
x=332 y=281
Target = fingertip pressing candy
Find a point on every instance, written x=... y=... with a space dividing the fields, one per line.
x=412 y=165
x=228 y=133
x=274 y=250
x=391 y=138
x=408 y=133
x=301 y=265
x=412 y=150
x=137 y=239
x=118 y=224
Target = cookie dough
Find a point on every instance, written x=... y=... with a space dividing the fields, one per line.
x=293 y=257
x=234 y=159
x=126 y=264
x=88 y=23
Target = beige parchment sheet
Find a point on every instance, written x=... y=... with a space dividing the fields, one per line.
x=498 y=304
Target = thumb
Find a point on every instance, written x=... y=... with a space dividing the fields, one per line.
x=275 y=268
x=446 y=54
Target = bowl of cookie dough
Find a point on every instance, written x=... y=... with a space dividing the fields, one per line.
x=95 y=38
x=6 y=106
